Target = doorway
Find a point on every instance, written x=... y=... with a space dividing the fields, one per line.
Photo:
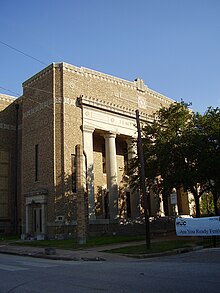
x=37 y=220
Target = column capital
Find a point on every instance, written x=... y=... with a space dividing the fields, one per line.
x=88 y=128
x=110 y=135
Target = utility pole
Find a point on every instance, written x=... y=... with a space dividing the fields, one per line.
x=143 y=187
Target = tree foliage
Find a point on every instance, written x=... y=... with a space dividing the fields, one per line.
x=182 y=149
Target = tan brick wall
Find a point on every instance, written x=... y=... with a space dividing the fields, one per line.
x=38 y=129
x=51 y=118
x=8 y=145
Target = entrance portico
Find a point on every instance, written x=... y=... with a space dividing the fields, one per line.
x=109 y=126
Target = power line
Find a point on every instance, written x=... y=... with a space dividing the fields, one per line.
x=18 y=95
x=25 y=54
x=14 y=93
x=29 y=87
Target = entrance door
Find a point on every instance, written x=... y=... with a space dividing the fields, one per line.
x=37 y=221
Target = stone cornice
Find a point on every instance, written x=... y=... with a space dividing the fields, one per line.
x=38 y=75
x=112 y=107
x=83 y=71
x=7 y=98
x=160 y=97
x=137 y=85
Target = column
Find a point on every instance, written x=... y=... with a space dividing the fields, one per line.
x=135 y=194
x=111 y=172
x=88 y=149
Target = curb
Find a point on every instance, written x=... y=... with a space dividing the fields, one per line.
x=52 y=257
x=72 y=258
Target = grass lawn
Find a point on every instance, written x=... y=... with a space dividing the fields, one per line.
x=156 y=247
x=72 y=243
x=162 y=246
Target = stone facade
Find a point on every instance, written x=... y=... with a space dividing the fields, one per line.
x=62 y=107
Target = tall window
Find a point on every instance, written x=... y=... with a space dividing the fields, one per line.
x=36 y=162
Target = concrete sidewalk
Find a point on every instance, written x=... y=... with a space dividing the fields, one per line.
x=88 y=254
x=61 y=254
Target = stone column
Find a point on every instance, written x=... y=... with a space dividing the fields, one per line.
x=88 y=148
x=135 y=194
x=111 y=172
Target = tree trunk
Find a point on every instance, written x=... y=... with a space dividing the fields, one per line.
x=197 y=205
x=196 y=197
x=165 y=203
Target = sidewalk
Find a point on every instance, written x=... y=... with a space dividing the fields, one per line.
x=88 y=254
x=61 y=254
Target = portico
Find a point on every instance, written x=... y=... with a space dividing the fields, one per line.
x=110 y=127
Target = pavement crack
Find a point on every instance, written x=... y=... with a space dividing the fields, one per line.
x=19 y=285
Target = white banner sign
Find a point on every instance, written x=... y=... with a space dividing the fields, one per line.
x=198 y=226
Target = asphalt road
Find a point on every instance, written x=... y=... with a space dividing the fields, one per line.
x=196 y=271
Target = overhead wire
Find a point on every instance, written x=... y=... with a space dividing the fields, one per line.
x=12 y=92
x=32 y=100
x=25 y=54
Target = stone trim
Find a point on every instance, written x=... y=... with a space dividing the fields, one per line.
x=112 y=107
x=38 y=108
x=36 y=192
x=83 y=71
x=7 y=98
x=39 y=75
x=119 y=81
x=7 y=126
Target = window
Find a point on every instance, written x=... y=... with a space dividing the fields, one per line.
x=36 y=162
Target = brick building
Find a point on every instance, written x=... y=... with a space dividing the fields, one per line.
x=67 y=113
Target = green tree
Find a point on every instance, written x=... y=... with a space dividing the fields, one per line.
x=208 y=125
x=173 y=150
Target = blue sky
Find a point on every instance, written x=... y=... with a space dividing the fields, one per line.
x=174 y=45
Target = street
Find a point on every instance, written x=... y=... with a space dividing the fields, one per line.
x=196 y=271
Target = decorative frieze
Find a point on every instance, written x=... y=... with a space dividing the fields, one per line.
x=144 y=104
